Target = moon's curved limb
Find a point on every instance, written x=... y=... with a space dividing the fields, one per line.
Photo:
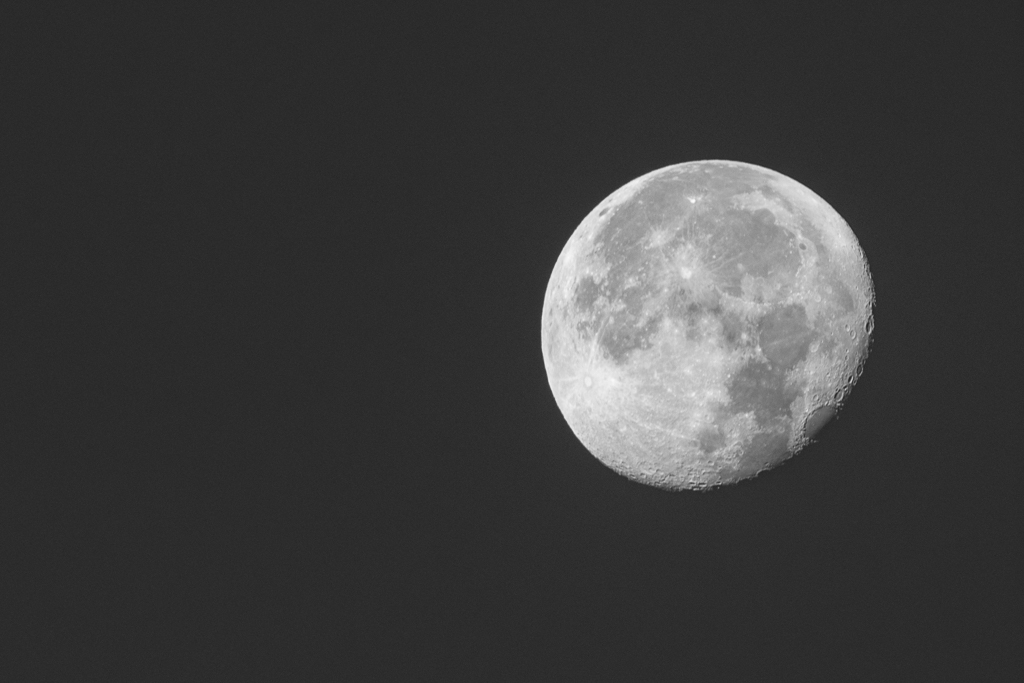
x=702 y=320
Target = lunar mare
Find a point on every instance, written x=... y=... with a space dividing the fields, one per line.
x=704 y=321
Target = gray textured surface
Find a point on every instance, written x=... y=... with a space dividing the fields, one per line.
x=698 y=318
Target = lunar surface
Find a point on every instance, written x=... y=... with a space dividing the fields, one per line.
x=704 y=321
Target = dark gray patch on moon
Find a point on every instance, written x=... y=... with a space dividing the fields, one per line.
x=747 y=243
x=818 y=419
x=587 y=293
x=760 y=388
x=785 y=336
x=733 y=328
x=841 y=294
x=764 y=450
x=626 y=334
x=711 y=439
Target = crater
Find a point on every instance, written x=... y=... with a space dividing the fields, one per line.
x=817 y=420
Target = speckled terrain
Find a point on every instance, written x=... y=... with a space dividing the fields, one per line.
x=704 y=321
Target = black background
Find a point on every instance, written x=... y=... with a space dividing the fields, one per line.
x=273 y=399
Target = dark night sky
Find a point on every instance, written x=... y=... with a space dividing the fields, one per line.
x=273 y=398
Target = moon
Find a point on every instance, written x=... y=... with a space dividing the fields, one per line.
x=704 y=321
